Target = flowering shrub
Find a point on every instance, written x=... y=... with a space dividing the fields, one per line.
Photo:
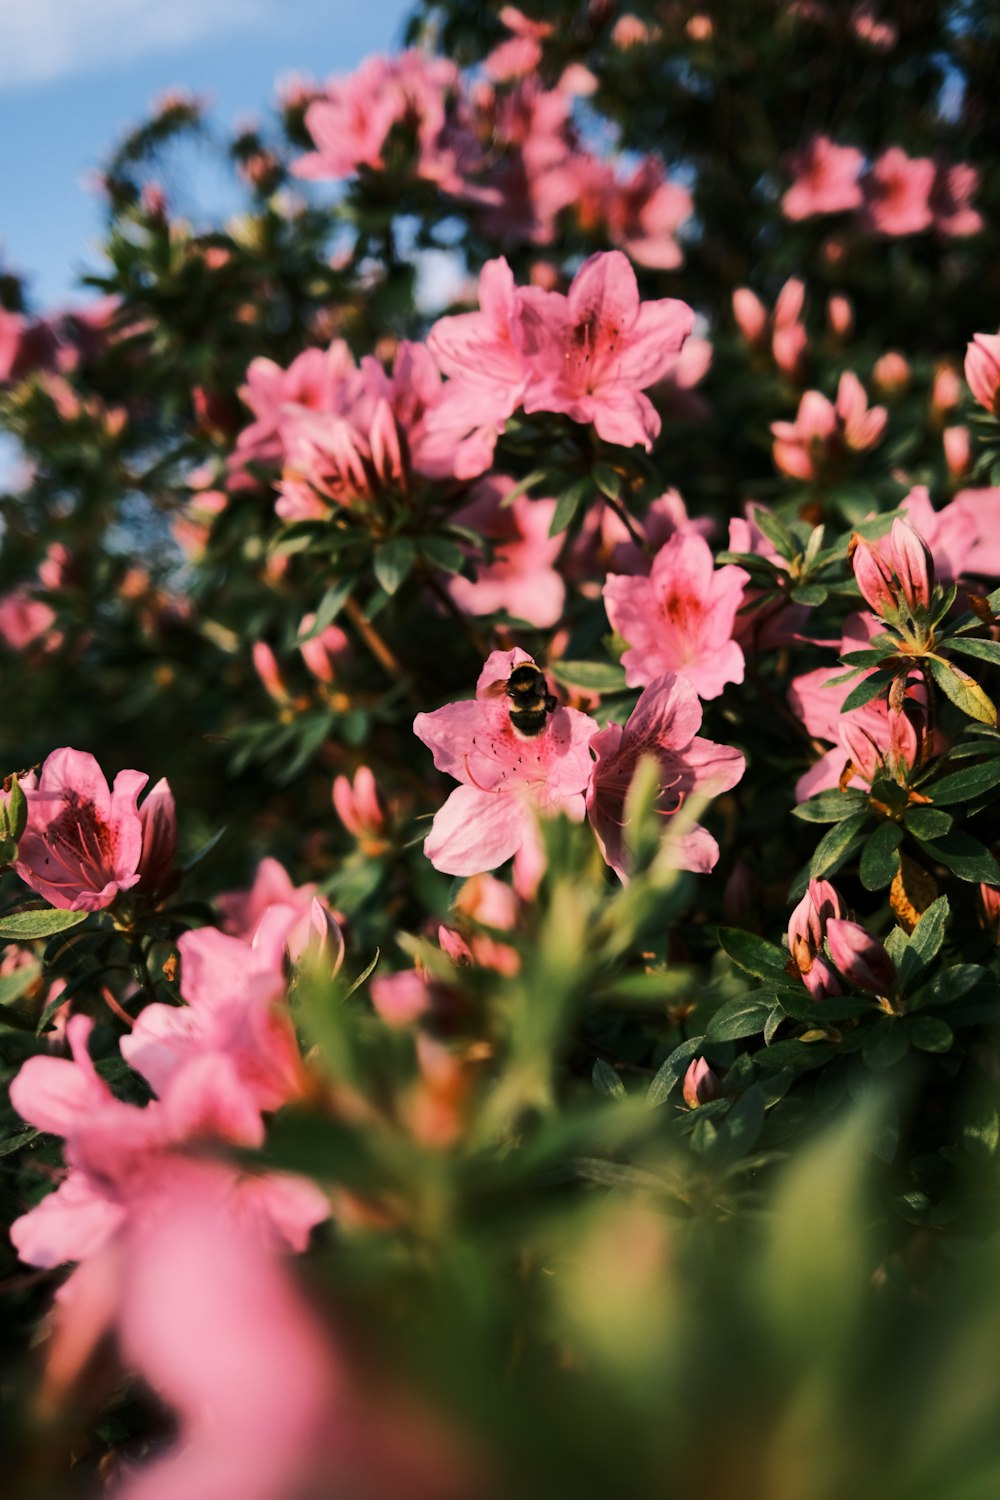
x=542 y=551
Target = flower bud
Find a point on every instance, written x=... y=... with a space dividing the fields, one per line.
x=911 y=560
x=750 y=314
x=267 y=669
x=982 y=370
x=840 y=315
x=859 y=957
x=873 y=576
x=323 y=653
x=806 y=927
x=700 y=1084
x=957 y=450
x=158 y=816
x=891 y=373
x=989 y=900
x=357 y=805
x=946 y=392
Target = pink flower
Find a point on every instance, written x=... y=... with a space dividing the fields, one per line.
x=951 y=200
x=522 y=53
x=859 y=957
x=826 y=180
x=750 y=315
x=807 y=927
x=823 y=431
x=351 y=124
x=592 y=353
x=681 y=618
x=789 y=340
x=507 y=779
x=24 y=620
x=521 y=577
x=664 y=723
x=357 y=806
x=779 y=621
x=83 y=843
x=324 y=653
x=898 y=193
x=272 y=912
x=700 y=1084
x=895 y=573
x=158 y=816
x=982 y=370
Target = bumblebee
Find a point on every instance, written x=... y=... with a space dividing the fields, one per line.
x=530 y=701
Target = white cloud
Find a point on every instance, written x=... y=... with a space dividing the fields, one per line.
x=45 y=39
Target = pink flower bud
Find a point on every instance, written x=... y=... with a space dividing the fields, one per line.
x=982 y=370
x=266 y=665
x=859 y=957
x=957 y=450
x=989 y=897
x=891 y=373
x=158 y=816
x=750 y=314
x=946 y=392
x=840 y=315
x=873 y=576
x=400 y=999
x=700 y=1084
x=322 y=943
x=357 y=806
x=911 y=561
x=806 y=927
x=324 y=652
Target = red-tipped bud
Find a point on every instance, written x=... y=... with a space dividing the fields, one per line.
x=700 y=1084
x=873 y=576
x=982 y=370
x=357 y=804
x=806 y=927
x=911 y=560
x=859 y=957
x=989 y=899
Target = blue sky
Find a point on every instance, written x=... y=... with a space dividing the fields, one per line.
x=75 y=73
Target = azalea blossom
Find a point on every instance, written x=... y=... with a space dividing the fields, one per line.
x=826 y=179
x=506 y=779
x=898 y=191
x=982 y=370
x=592 y=353
x=824 y=432
x=83 y=841
x=807 y=928
x=681 y=618
x=521 y=577
x=665 y=724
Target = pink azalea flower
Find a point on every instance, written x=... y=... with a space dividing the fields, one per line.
x=24 y=621
x=681 y=618
x=700 y=1084
x=982 y=370
x=350 y=125
x=324 y=653
x=964 y=536
x=779 y=622
x=951 y=200
x=83 y=842
x=898 y=193
x=593 y=352
x=358 y=808
x=521 y=577
x=316 y=380
x=158 y=817
x=806 y=930
x=507 y=780
x=823 y=431
x=664 y=723
x=272 y=911
x=826 y=180
x=860 y=958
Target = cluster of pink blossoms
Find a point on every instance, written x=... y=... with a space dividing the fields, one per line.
x=503 y=144
x=896 y=195
x=572 y=766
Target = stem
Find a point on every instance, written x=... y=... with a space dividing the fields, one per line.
x=379 y=648
x=472 y=635
x=640 y=541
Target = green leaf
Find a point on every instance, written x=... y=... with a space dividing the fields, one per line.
x=984 y=650
x=442 y=553
x=836 y=844
x=365 y=972
x=867 y=691
x=670 y=1071
x=15 y=1142
x=930 y=1033
x=523 y=486
x=879 y=860
x=753 y=954
x=13 y=986
x=329 y=608
x=963 y=691
x=776 y=531
x=981 y=1126
x=608 y=480
x=568 y=504
x=740 y=1130
x=924 y=942
x=606 y=1080
x=927 y=822
x=963 y=786
x=17 y=809
x=830 y=807
x=594 y=676
x=888 y=1043
x=812 y=595
x=392 y=562
x=744 y=1016
x=24 y=926
x=950 y=985
x=966 y=857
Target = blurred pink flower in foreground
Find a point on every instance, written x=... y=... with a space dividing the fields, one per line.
x=83 y=842
x=665 y=724
x=982 y=370
x=506 y=779
x=681 y=618
x=276 y=915
x=826 y=179
x=898 y=193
